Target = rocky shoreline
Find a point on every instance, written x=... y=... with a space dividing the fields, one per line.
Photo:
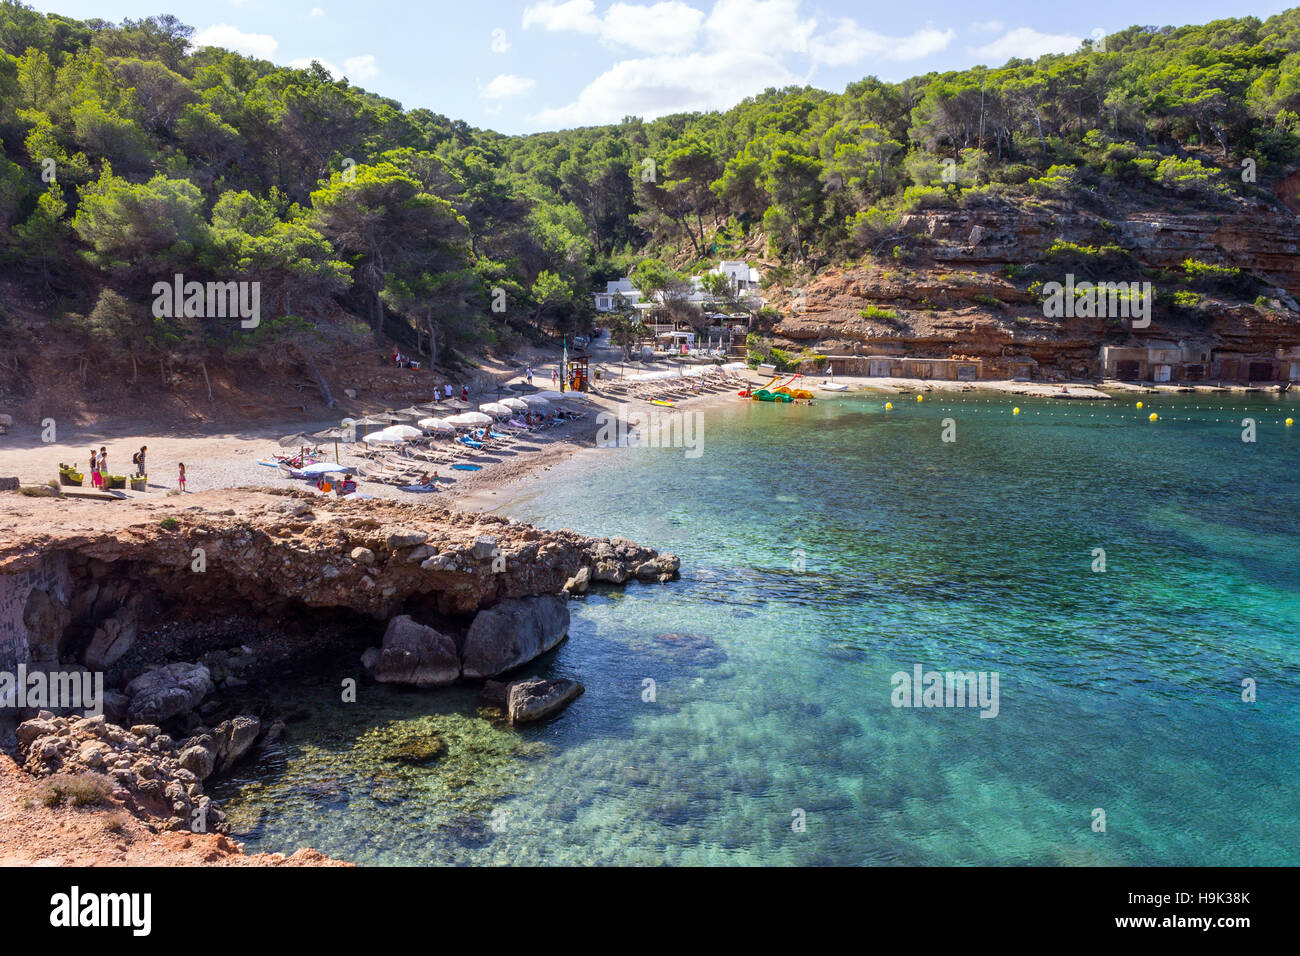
x=180 y=606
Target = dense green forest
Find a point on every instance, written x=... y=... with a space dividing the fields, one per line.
x=128 y=156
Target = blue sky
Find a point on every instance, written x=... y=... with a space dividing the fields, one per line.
x=548 y=64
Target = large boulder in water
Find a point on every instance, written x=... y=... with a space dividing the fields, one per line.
x=514 y=632
x=530 y=700
x=414 y=653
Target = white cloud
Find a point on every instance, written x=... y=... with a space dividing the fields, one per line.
x=358 y=68
x=317 y=12
x=766 y=26
x=576 y=15
x=507 y=86
x=1028 y=43
x=849 y=43
x=261 y=45
x=656 y=86
x=669 y=27
x=304 y=63
x=988 y=26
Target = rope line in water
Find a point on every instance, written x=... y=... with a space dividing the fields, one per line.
x=1245 y=413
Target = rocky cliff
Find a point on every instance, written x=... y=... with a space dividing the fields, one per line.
x=962 y=282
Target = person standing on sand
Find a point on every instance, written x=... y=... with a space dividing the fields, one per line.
x=554 y=377
x=139 y=461
x=103 y=460
x=464 y=393
x=448 y=388
x=181 y=478
x=528 y=373
x=94 y=469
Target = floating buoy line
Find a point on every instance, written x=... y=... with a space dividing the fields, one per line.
x=1152 y=416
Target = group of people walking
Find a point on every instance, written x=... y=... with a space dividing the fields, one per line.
x=448 y=392
x=99 y=466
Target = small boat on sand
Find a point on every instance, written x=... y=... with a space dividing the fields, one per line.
x=833 y=387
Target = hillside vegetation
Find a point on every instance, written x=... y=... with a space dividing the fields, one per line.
x=129 y=156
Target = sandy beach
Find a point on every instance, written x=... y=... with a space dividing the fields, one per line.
x=220 y=459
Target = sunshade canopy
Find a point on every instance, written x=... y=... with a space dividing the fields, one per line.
x=470 y=418
x=395 y=433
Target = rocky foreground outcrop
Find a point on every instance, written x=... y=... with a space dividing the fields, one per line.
x=142 y=768
x=79 y=580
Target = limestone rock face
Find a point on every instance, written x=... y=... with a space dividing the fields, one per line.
x=535 y=699
x=234 y=738
x=416 y=654
x=514 y=632
x=166 y=692
x=111 y=640
x=45 y=618
x=579 y=583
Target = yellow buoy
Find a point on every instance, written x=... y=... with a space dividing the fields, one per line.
x=1290 y=421
x=888 y=405
x=1153 y=417
x=1139 y=404
x=920 y=398
x=1015 y=411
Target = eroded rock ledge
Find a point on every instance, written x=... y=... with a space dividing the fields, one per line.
x=79 y=579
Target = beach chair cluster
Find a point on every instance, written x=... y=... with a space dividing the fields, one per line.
x=677 y=384
x=414 y=465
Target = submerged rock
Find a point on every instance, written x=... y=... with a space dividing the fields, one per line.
x=535 y=699
x=513 y=633
x=417 y=751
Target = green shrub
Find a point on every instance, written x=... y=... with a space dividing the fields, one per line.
x=169 y=524
x=1187 y=300
x=1057 y=181
x=875 y=312
x=991 y=301
x=872 y=224
x=924 y=197
x=1189 y=176
x=1208 y=270
x=77 y=790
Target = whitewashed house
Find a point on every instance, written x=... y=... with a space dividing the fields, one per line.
x=743 y=279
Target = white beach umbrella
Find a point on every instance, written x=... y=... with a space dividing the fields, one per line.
x=496 y=410
x=518 y=404
x=535 y=401
x=546 y=394
x=395 y=433
x=469 y=418
x=436 y=424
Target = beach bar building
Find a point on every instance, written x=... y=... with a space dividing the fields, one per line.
x=964 y=369
x=1156 y=362
x=1252 y=367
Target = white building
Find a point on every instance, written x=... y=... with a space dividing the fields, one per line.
x=742 y=278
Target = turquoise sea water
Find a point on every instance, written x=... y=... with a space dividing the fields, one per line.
x=823 y=549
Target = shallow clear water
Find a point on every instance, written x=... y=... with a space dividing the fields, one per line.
x=824 y=549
